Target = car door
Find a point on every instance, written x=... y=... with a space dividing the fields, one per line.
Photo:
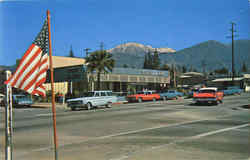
x=148 y=96
x=104 y=98
x=97 y=99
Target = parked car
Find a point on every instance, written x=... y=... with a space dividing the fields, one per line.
x=21 y=100
x=170 y=94
x=191 y=92
x=232 y=90
x=92 y=100
x=143 y=96
x=208 y=95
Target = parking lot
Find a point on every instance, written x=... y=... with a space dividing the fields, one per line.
x=174 y=129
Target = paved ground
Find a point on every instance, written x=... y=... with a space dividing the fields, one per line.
x=174 y=130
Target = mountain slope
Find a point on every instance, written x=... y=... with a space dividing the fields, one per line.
x=211 y=53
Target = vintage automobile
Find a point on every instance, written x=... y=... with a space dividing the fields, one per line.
x=143 y=96
x=208 y=95
x=232 y=90
x=92 y=100
x=191 y=92
x=22 y=100
x=171 y=94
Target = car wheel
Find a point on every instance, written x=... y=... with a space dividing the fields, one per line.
x=154 y=99
x=73 y=108
x=108 y=105
x=139 y=100
x=89 y=106
x=215 y=103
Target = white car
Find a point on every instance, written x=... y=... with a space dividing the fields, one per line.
x=92 y=100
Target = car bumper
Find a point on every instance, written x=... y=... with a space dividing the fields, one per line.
x=204 y=100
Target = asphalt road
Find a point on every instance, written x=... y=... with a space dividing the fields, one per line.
x=174 y=130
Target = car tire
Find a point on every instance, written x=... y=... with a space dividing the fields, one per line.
x=73 y=108
x=215 y=103
x=89 y=106
x=139 y=100
x=164 y=98
x=108 y=105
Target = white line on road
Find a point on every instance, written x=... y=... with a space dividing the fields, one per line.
x=120 y=134
x=185 y=139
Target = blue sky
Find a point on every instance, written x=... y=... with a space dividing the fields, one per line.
x=87 y=23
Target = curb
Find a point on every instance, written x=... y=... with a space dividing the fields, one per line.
x=121 y=102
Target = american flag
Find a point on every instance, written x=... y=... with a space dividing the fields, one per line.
x=31 y=71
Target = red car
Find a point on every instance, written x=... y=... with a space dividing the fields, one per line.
x=208 y=95
x=143 y=96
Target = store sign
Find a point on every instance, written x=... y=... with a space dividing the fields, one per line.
x=73 y=73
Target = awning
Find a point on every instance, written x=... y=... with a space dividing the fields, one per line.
x=227 y=79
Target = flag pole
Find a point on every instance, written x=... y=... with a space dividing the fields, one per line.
x=52 y=88
x=8 y=120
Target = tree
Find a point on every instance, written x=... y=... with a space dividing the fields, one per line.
x=71 y=54
x=244 y=67
x=125 y=66
x=223 y=70
x=101 y=62
x=148 y=62
x=145 y=64
x=156 y=60
x=165 y=67
x=184 y=69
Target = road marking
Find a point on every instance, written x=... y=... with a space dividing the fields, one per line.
x=219 y=131
x=184 y=140
x=118 y=134
x=43 y=115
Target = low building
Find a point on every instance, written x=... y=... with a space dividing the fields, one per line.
x=226 y=82
x=190 y=79
x=70 y=75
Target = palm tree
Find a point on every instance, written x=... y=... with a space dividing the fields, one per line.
x=101 y=62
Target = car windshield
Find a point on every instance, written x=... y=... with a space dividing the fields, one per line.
x=140 y=92
x=21 y=96
x=89 y=94
x=207 y=91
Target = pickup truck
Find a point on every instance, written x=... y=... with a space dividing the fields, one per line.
x=170 y=94
x=232 y=90
x=92 y=100
x=143 y=96
x=208 y=95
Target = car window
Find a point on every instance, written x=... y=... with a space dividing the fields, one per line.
x=97 y=94
x=140 y=92
x=103 y=94
x=171 y=91
x=207 y=91
x=109 y=93
x=89 y=94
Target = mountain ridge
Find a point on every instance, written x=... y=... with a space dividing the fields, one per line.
x=211 y=53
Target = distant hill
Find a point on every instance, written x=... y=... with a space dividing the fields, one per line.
x=132 y=54
x=211 y=53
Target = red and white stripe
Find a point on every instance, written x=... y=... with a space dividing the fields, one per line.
x=31 y=72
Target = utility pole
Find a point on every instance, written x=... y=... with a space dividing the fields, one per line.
x=8 y=121
x=232 y=36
